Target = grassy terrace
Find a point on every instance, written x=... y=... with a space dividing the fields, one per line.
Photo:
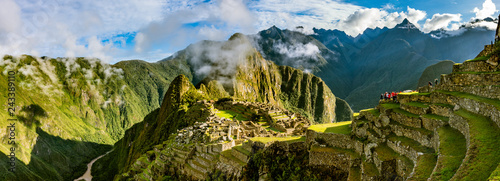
x=230 y=114
x=373 y=111
x=424 y=167
x=483 y=155
x=228 y=155
x=452 y=148
x=421 y=130
x=483 y=58
x=386 y=154
x=444 y=105
x=417 y=104
x=436 y=117
x=411 y=143
x=395 y=108
x=494 y=102
x=290 y=139
x=335 y=150
x=242 y=150
x=339 y=128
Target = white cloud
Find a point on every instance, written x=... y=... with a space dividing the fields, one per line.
x=292 y=13
x=362 y=19
x=223 y=17
x=10 y=16
x=488 y=10
x=439 y=21
x=71 y=28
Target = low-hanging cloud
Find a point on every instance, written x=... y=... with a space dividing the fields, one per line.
x=439 y=21
x=219 y=60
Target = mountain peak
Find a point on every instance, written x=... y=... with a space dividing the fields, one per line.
x=406 y=24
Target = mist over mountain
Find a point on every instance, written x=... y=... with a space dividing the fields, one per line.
x=358 y=69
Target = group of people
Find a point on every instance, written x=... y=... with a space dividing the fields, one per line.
x=389 y=96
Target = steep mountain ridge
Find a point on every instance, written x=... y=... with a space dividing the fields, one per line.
x=379 y=59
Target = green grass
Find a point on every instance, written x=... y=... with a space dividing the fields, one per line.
x=444 y=105
x=230 y=114
x=373 y=111
x=370 y=169
x=339 y=128
x=356 y=114
x=483 y=155
x=483 y=58
x=496 y=174
x=290 y=139
x=425 y=166
x=390 y=105
x=242 y=150
x=494 y=102
x=417 y=104
x=386 y=154
x=335 y=150
x=268 y=128
x=409 y=114
x=354 y=174
x=452 y=148
x=228 y=155
x=436 y=117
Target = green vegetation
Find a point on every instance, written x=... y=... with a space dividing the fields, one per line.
x=435 y=71
x=417 y=104
x=483 y=58
x=339 y=128
x=496 y=174
x=444 y=105
x=386 y=154
x=452 y=148
x=354 y=174
x=436 y=117
x=373 y=111
x=424 y=166
x=395 y=108
x=230 y=115
x=335 y=150
x=482 y=157
x=390 y=105
x=370 y=169
x=289 y=139
x=242 y=150
x=494 y=102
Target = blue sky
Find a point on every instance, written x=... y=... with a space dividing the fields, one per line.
x=150 y=30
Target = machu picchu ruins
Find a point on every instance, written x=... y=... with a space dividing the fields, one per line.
x=447 y=131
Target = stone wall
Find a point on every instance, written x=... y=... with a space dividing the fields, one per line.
x=331 y=139
x=470 y=79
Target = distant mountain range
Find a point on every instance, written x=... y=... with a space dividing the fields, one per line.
x=358 y=69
